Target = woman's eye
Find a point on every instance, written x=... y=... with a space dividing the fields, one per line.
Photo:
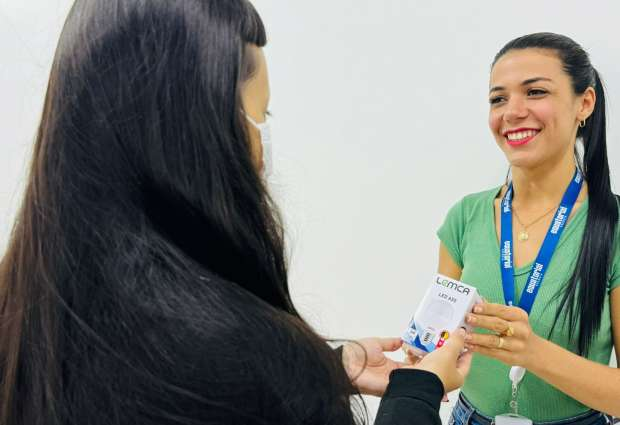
x=496 y=100
x=536 y=92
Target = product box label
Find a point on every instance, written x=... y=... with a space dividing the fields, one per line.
x=442 y=311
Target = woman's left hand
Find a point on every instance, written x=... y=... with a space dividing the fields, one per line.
x=368 y=366
x=513 y=339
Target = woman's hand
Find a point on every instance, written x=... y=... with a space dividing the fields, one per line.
x=367 y=365
x=513 y=339
x=448 y=362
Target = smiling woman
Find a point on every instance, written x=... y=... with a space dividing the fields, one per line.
x=559 y=273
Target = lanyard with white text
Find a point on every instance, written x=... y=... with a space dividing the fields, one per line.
x=547 y=249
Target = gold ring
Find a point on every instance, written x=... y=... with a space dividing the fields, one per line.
x=500 y=343
x=510 y=331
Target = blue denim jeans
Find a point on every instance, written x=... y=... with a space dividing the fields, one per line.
x=465 y=414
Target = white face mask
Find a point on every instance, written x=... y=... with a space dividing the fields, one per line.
x=264 y=129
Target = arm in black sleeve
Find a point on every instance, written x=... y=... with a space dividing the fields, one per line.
x=412 y=398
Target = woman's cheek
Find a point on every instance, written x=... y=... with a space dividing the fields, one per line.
x=543 y=112
x=495 y=125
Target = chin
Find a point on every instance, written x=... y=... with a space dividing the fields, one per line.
x=524 y=162
x=521 y=158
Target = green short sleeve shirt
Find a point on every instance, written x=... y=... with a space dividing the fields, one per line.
x=470 y=236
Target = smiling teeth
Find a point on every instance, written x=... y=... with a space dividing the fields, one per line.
x=521 y=135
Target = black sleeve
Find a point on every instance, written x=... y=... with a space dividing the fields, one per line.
x=411 y=398
x=338 y=351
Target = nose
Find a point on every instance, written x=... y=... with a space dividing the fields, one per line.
x=516 y=109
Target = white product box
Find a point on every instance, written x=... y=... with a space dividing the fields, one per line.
x=443 y=311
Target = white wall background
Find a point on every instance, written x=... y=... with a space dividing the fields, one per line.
x=379 y=127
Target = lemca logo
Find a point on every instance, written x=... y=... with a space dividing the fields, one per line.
x=452 y=285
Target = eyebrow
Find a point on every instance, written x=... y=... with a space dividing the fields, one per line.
x=524 y=83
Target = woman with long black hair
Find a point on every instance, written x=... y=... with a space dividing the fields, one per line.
x=543 y=248
x=145 y=281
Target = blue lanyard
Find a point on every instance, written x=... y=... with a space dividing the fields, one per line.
x=547 y=249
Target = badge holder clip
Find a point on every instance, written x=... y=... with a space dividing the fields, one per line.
x=516 y=375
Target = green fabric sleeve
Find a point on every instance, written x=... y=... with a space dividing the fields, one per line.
x=452 y=230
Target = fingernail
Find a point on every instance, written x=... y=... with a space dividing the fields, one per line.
x=478 y=309
x=462 y=332
x=471 y=319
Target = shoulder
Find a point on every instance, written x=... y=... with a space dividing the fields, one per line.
x=483 y=197
x=470 y=212
x=473 y=203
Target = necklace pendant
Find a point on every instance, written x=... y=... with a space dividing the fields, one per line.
x=523 y=236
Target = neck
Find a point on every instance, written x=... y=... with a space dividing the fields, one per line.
x=543 y=185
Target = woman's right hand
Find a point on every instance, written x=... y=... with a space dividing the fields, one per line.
x=448 y=363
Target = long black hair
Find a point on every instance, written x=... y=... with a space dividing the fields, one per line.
x=586 y=290
x=145 y=281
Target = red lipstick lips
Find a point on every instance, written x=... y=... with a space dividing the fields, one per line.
x=520 y=136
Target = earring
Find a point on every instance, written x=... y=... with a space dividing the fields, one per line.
x=582 y=124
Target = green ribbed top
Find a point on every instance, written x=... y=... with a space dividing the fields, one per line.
x=469 y=234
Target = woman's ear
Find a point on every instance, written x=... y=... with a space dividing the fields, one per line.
x=588 y=100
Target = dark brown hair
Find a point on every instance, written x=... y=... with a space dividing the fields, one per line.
x=145 y=281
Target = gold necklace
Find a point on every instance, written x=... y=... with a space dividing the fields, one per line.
x=524 y=235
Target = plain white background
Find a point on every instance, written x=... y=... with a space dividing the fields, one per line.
x=380 y=125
